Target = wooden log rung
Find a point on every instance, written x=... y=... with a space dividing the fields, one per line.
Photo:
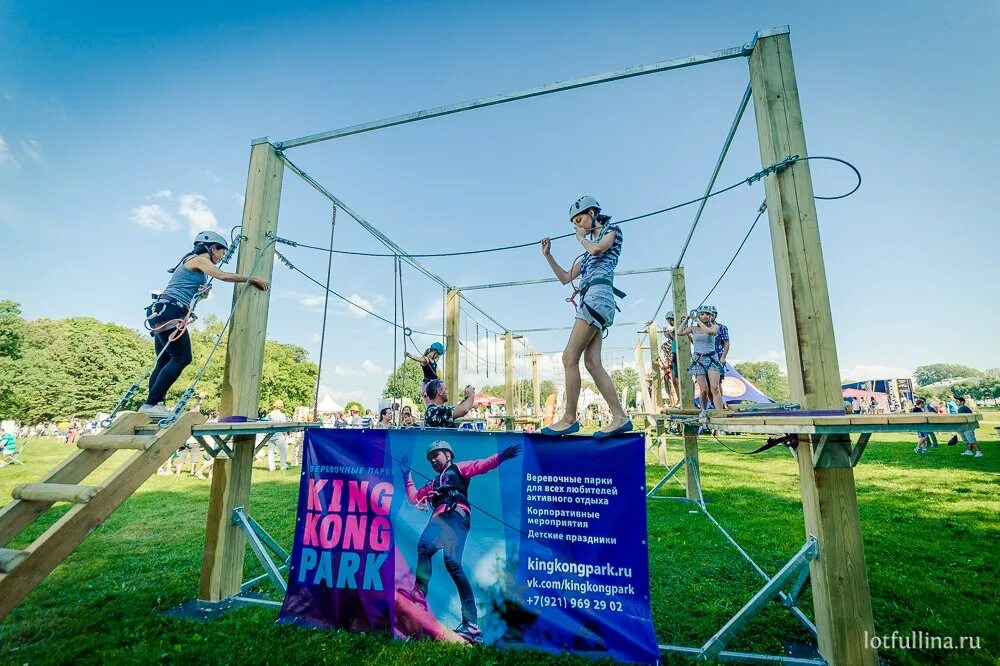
x=114 y=442
x=54 y=492
x=10 y=558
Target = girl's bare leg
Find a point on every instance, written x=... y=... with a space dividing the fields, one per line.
x=704 y=394
x=592 y=361
x=715 y=382
x=579 y=338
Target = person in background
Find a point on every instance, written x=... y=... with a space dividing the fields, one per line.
x=705 y=366
x=922 y=438
x=674 y=385
x=428 y=362
x=722 y=343
x=438 y=414
x=972 y=447
x=278 y=439
x=8 y=445
x=949 y=404
x=354 y=421
x=409 y=421
x=384 y=419
x=368 y=420
x=873 y=406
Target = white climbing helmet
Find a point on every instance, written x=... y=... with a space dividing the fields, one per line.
x=582 y=204
x=439 y=445
x=211 y=238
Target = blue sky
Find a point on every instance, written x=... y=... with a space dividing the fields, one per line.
x=124 y=131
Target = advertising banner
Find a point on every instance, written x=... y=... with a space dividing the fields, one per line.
x=502 y=539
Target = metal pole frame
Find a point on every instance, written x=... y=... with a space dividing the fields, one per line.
x=741 y=51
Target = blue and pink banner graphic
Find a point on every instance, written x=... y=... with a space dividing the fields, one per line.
x=503 y=539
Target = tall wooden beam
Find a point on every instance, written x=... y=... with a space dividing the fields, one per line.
x=452 y=320
x=225 y=546
x=654 y=355
x=839 y=579
x=640 y=366
x=508 y=377
x=679 y=291
x=536 y=389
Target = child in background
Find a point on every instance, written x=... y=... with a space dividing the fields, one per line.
x=428 y=362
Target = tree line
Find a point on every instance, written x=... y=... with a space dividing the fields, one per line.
x=64 y=368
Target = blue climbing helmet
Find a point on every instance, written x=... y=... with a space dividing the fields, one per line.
x=438 y=347
x=583 y=203
x=706 y=308
x=670 y=315
x=210 y=238
x=439 y=445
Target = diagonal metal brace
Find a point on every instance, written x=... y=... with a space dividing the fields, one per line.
x=791 y=570
x=662 y=482
x=259 y=541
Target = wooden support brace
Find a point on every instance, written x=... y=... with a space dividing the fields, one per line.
x=859 y=448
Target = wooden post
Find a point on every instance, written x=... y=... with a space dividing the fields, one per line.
x=222 y=561
x=654 y=355
x=679 y=291
x=452 y=319
x=536 y=390
x=640 y=366
x=508 y=376
x=841 y=597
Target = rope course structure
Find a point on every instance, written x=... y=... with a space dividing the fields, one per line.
x=839 y=580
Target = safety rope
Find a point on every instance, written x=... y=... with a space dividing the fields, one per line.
x=750 y=180
x=326 y=307
x=189 y=318
x=288 y=264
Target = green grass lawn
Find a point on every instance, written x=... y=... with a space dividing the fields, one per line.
x=929 y=525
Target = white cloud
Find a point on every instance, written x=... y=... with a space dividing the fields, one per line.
x=369 y=366
x=310 y=301
x=432 y=311
x=6 y=156
x=341 y=371
x=160 y=194
x=358 y=302
x=152 y=216
x=211 y=176
x=32 y=149
x=199 y=216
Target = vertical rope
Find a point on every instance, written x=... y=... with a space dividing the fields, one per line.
x=326 y=307
x=402 y=315
x=395 y=339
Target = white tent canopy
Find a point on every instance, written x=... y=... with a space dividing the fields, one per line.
x=328 y=405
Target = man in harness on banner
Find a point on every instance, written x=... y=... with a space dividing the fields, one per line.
x=448 y=496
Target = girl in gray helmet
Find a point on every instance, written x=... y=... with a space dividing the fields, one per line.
x=602 y=245
x=168 y=316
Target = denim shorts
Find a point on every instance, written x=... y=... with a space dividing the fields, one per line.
x=702 y=364
x=601 y=299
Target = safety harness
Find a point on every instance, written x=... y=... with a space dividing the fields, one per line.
x=179 y=324
x=706 y=361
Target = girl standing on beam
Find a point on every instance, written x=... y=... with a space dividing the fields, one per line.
x=169 y=315
x=602 y=244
